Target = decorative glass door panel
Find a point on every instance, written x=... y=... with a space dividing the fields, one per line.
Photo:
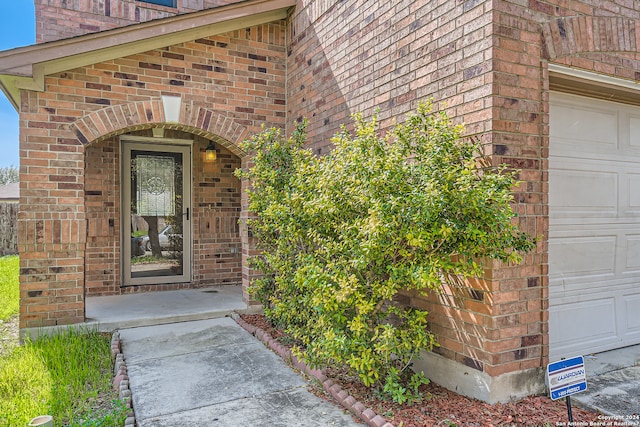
x=156 y=190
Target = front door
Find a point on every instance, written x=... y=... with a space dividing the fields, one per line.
x=156 y=190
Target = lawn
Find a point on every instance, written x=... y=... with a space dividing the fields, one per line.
x=9 y=287
x=66 y=375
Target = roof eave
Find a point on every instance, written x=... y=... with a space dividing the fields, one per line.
x=11 y=85
x=26 y=67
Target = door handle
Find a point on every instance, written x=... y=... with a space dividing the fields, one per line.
x=187 y=214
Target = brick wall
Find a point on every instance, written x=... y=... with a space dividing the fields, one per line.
x=102 y=202
x=393 y=55
x=51 y=221
x=217 y=247
x=592 y=40
x=60 y=19
x=485 y=63
x=229 y=84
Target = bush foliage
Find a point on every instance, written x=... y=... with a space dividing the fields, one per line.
x=9 y=174
x=341 y=235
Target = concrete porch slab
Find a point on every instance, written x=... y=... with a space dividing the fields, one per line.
x=109 y=313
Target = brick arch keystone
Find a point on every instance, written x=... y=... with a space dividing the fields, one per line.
x=199 y=120
x=573 y=35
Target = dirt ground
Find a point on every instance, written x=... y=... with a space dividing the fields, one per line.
x=441 y=407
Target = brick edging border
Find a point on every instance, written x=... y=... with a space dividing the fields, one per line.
x=121 y=378
x=345 y=399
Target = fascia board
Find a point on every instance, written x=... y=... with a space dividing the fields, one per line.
x=594 y=77
x=126 y=49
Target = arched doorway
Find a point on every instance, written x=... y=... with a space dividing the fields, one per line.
x=139 y=185
x=169 y=129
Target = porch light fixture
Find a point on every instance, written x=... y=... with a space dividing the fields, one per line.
x=210 y=153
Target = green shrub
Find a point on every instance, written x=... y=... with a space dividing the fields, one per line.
x=341 y=235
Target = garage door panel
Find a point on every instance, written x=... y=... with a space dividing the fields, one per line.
x=579 y=290
x=582 y=256
x=634 y=131
x=633 y=182
x=586 y=256
x=593 y=188
x=594 y=225
x=608 y=190
x=632 y=304
x=632 y=254
x=630 y=316
x=582 y=192
x=574 y=327
x=595 y=130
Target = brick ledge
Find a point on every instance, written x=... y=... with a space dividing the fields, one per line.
x=121 y=378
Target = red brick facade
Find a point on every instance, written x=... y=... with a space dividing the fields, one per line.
x=69 y=235
x=484 y=62
x=61 y=19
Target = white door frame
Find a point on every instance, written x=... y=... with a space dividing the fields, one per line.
x=184 y=147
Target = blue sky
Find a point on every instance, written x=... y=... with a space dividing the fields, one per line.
x=17 y=28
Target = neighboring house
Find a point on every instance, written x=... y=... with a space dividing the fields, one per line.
x=120 y=99
x=10 y=193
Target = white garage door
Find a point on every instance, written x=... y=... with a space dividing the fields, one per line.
x=594 y=230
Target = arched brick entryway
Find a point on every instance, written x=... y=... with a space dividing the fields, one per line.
x=189 y=117
x=220 y=245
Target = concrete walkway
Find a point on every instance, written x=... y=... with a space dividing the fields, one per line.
x=613 y=385
x=214 y=373
x=613 y=377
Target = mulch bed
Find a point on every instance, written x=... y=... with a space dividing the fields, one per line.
x=441 y=407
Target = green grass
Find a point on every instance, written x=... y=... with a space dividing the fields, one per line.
x=66 y=375
x=9 y=286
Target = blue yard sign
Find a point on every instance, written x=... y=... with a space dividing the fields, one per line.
x=566 y=377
